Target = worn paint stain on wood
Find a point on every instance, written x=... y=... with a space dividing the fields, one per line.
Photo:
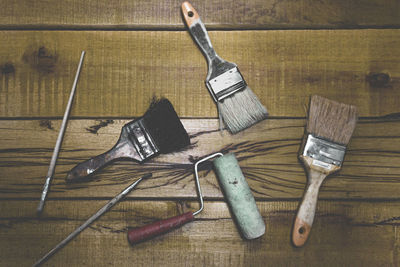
x=46 y=124
x=378 y=79
x=41 y=59
x=7 y=68
x=95 y=128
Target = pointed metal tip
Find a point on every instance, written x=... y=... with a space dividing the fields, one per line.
x=39 y=210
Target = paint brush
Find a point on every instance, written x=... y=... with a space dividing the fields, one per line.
x=330 y=126
x=159 y=131
x=89 y=221
x=60 y=137
x=238 y=107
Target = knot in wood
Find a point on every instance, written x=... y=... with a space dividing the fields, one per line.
x=378 y=79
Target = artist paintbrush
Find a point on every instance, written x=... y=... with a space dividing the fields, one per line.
x=57 y=147
x=238 y=107
x=159 y=131
x=89 y=221
x=330 y=126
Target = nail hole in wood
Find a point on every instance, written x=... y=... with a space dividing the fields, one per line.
x=301 y=230
x=190 y=13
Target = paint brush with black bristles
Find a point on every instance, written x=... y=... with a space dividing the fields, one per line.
x=330 y=126
x=238 y=107
x=159 y=131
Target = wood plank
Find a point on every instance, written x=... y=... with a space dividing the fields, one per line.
x=123 y=70
x=344 y=233
x=267 y=153
x=224 y=14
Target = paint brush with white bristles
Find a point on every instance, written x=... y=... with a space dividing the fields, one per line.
x=330 y=126
x=238 y=107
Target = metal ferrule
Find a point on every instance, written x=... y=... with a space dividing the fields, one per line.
x=324 y=151
x=141 y=139
x=226 y=84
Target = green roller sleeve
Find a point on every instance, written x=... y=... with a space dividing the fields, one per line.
x=239 y=196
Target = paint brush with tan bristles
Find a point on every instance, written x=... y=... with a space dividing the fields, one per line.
x=238 y=107
x=329 y=128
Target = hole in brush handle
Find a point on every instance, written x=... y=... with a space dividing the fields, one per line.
x=301 y=231
x=189 y=13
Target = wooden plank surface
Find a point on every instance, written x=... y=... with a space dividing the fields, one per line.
x=255 y=14
x=268 y=160
x=344 y=234
x=137 y=49
x=123 y=70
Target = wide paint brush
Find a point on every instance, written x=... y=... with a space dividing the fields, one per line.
x=238 y=107
x=330 y=126
x=159 y=131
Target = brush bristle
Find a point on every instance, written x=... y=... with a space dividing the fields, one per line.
x=164 y=126
x=331 y=120
x=241 y=110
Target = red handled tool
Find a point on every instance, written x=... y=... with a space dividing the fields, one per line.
x=146 y=232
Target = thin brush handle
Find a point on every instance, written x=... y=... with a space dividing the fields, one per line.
x=89 y=221
x=54 y=157
x=306 y=213
x=139 y=234
x=199 y=33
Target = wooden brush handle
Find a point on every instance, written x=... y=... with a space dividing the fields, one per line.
x=90 y=166
x=198 y=32
x=189 y=13
x=306 y=212
x=316 y=174
x=139 y=234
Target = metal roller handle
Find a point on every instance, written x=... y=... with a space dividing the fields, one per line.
x=157 y=228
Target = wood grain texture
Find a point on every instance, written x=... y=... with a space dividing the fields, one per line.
x=345 y=233
x=255 y=14
x=267 y=153
x=123 y=70
x=357 y=217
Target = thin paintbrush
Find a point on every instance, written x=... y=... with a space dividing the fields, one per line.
x=159 y=131
x=238 y=107
x=89 y=221
x=330 y=126
x=54 y=157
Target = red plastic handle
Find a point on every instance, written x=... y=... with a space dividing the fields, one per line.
x=139 y=234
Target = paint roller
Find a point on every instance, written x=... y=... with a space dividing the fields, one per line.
x=237 y=193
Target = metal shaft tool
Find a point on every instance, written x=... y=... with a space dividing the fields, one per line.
x=101 y=211
x=54 y=157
